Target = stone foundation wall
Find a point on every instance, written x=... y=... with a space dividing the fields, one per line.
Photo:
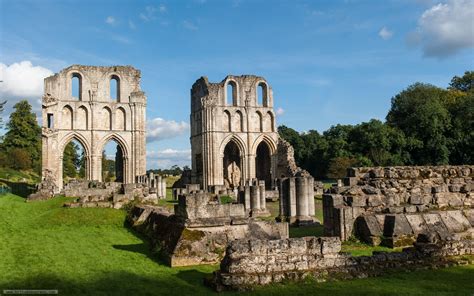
x=395 y=190
x=260 y=262
x=200 y=230
x=92 y=194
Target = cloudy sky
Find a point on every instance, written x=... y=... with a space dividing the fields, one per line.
x=328 y=62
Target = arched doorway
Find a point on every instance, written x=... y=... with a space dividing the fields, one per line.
x=75 y=165
x=263 y=164
x=112 y=162
x=232 y=165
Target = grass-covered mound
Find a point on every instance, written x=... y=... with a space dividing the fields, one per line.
x=90 y=252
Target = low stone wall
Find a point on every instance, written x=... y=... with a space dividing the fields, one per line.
x=260 y=262
x=393 y=191
x=401 y=230
x=91 y=194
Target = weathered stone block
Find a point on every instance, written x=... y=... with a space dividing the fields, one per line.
x=330 y=245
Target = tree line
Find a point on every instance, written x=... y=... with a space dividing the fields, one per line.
x=426 y=125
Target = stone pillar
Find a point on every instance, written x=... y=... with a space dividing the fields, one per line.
x=247 y=197
x=151 y=180
x=311 y=209
x=261 y=185
x=282 y=198
x=301 y=198
x=291 y=197
x=254 y=199
x=158 y=185
x=163 y=187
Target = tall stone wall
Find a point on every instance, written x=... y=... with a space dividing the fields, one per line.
x=233 y=135
x=396 y=193
x=93 y=118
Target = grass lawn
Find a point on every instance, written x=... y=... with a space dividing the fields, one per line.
x=90 y=252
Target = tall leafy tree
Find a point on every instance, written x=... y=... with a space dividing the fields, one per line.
x=420 y=113
x=23 y=132
x=379 y=142
x=70 y=160
x=464 y=83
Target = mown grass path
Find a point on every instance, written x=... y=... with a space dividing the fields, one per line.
x=90 y=252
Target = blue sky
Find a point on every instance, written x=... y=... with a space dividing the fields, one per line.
x=328 y=62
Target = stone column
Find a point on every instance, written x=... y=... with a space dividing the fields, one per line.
x=163 y=187
x=254 y=199
x=247 y=197
x=311 y=209
x=282 y=197
x=158 y=187
x=261 y=185
x=291 y=197
x=301 y=197
x=151 y=180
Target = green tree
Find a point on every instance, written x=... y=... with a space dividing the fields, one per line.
x=2 y=106
x=420 y=113
x=70 y=160
x=24 y=132
x=19 y=159
x=464 y=83
x=380 y=143
x=338 y=167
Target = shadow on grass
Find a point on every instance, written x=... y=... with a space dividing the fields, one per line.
x=451 y=281
x=118 y=283
x=20 y=188
x=310 y=230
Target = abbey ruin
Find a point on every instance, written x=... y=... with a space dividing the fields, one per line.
x=240 y=166
x=93 y=118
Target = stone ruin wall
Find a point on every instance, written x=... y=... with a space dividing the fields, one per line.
x=401 y=202
x=200 y=229
x=248 y=263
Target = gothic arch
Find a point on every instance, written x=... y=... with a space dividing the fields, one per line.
x=118 y=139
x=260 y=121
x=227 y=121
x=67 y=117
x=238 y=141
x=82 y=118
x=265 y=94
x=234 y=100
x=264 y=138
x=120 y=119
x=238 y=122
x=78 y=137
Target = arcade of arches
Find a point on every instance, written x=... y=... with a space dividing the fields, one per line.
x=94 y=106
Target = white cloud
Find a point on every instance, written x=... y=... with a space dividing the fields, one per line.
x=132 y=25
x=159 y=129
x=385 y=33
x=280 y=111
x=110 y=20
x=190 y=26
x=168 y=157
x=150 y=12
x=22 y=80
x=445 y=28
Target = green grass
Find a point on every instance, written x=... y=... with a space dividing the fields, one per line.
x=90 y=252
x=356 y=248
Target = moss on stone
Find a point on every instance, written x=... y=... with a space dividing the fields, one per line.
x=192 y=235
